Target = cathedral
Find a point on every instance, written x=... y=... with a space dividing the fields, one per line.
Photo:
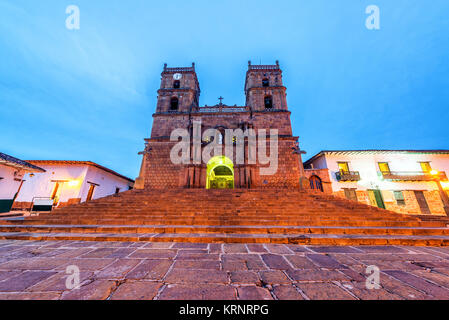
x=266 y=110
x=234 y=174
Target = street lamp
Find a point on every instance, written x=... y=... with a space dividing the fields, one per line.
x=436 y=177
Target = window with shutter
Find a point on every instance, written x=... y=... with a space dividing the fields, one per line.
x=425 y=166
x=399 y=196
x=384 y=167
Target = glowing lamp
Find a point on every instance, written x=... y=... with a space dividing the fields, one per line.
x=434 y=172
x=73 y=183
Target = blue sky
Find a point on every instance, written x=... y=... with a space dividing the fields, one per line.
x=89 y=94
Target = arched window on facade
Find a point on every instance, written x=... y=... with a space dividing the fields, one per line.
x=265 y=82
x=268 y=102
x=176 y=84
x=316 y=183
x=174 y=103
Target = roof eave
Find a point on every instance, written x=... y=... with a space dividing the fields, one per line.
x=21 y=167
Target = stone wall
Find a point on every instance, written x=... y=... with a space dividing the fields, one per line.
x=161 y=173
x=323 y=174
x=163 y=124
x=411 y=206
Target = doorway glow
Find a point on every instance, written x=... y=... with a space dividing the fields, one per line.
x=220 y=173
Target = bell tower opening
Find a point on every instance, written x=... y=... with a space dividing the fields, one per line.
x=268 y=101
x=220 y=173
x=174 y=102
x=265 y=82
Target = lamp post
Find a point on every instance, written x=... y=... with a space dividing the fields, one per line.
x=436 y=177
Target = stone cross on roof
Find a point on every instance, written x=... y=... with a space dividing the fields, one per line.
x=221 y=100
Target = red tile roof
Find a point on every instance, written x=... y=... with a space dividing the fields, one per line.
x=17 y=163
x=323 y=152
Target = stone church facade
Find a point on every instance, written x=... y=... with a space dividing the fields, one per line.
x=178 y=108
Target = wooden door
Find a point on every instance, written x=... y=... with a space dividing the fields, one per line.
x=422 y=202
x=315 y=183
x=372 y=198
x=376 y=198
x=379 y=199
x=91 y=192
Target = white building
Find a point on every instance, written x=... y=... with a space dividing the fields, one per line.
x=70 y=182
x=407 y=181
x=12 y=171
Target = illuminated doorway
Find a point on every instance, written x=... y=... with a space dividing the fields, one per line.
x=220 y=173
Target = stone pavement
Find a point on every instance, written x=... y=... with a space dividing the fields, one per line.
x=140 y=270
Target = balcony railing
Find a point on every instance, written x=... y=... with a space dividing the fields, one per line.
x=347 y=175
x=412 y=176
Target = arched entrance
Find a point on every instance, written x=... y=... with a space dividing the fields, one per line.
x=220 y=173
x=316 y=183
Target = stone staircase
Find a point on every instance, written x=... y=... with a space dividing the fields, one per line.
x=232 y=216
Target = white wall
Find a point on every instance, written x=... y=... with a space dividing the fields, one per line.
x=107 y=183
x=8 y=186
x=41 y=185
x=319 y=163
x=367 y=165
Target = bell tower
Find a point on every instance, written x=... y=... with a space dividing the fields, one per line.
x=179 y=91
x=264 y=89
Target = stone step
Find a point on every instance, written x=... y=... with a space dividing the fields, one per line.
x=279 y=216
x=230 y=215
x=208 y=221
x=224 y=229
x=305 y=239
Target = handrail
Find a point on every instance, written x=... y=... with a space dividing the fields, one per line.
x=347 y=175
x=413 y=174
